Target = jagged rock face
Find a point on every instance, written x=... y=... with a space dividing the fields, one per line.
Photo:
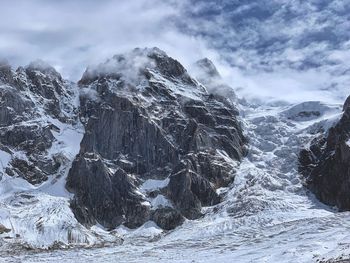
x=157 y=144
x=29 y=97
x=119 y=127
x=114 y=196
x=14 y=107
x=326 y=164
x=147 y=120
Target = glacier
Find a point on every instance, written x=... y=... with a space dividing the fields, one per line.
x=267 y=215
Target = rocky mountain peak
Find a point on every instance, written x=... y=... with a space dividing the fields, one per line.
x=33 y=98
x=44 y=68
x=206 y=73
x=135 y=66
x=146 y=141
x=152 y=122
x=207 y=68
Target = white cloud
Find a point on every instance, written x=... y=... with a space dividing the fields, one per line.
x=73 y=34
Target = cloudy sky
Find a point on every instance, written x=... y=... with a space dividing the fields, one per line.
x=72 y=34
x=284 y=49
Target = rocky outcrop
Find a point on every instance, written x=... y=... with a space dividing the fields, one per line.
x=4 y=229
x=326 y=164
x=167 y=218
x=109 y=194
x=147 y=120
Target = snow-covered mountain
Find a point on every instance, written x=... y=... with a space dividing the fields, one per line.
x=156 y=141
x=141 y=161
x=137 y=139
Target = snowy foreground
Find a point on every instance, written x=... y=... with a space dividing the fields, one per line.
x=267 y=215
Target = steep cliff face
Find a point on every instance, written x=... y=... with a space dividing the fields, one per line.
x=326 y=163
x=157 y=144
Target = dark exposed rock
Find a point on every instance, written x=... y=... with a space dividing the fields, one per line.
x=346 y=104
x=189 y=191
x=194 y=181
x=180 y=191
x=167 y=218
x=30 y=138
x=326 y=164
x=110 y=198
x=13 y=107
x=122 y=128
x=4 y=229
x=151 y=121
x=29 y=172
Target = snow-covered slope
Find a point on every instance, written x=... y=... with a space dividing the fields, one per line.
x=267 y=215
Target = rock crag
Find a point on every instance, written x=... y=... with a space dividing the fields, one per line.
x=157 y=144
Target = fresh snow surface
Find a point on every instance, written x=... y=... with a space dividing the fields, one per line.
x=160 y=201
x=151 y=184
x=267 y=215
x=5 y=158
x=348 y=143
x=148 y=230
